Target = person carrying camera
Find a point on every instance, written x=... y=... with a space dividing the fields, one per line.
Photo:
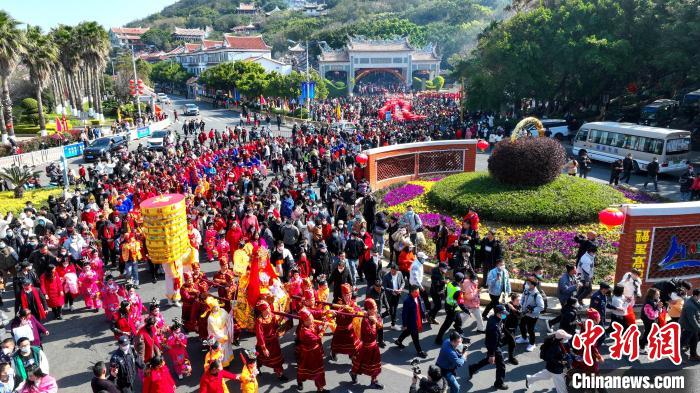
x=427 y=385
x=452 y=356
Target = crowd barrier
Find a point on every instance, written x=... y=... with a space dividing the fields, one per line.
x=409 y=161
x=45 y=156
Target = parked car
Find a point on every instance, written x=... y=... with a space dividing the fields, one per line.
x=102 y=147
x=157 y=139
x=659 y=113
x=190 y=110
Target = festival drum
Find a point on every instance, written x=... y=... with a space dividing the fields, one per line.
x=165 y=227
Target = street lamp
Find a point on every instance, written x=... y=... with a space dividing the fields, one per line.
x=136 y=78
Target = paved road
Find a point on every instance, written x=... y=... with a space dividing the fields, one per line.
x=83 y=338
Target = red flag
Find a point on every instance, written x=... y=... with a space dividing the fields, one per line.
x=253 y=291
x=65 y=123
x=59 y=127
x=262 y=100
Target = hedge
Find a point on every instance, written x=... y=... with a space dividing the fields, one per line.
x=8 y=202
x=566 y=200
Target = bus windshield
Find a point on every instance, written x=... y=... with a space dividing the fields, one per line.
x=678 y=146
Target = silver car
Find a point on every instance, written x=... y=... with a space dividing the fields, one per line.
x=190 y=110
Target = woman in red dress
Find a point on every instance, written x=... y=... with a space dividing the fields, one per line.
x=368 y=360
x=345 y=340
x=268 y=342
x=157 y=378
x=310 y=364
x=52 y=287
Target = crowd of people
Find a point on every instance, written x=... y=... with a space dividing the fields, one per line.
x=300 y=243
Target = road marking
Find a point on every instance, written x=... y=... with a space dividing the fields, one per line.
x=397 y=369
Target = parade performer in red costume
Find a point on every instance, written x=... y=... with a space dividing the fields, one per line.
x=310 y=364
x=268 y=343
x=345 y=339
x=368 y=360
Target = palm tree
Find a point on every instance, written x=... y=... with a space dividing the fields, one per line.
x=11 y=47
x=18 y=177
x=93 y=46
x=40 y=56
x=64 y=37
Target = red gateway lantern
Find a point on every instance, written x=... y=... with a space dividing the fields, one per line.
x=132 y=87
x=611 y=217
x=482 y=145
x=361 y=159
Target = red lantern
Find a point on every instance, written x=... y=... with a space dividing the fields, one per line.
x=611 y=217
x=482 y=145
x=362 y=159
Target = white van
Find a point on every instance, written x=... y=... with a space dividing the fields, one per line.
x=608 y=141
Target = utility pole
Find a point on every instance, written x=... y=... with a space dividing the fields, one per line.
x=308 y=89
x=461 y=101
x=136 y=79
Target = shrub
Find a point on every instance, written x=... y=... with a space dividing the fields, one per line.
x=567 y=200
x=527 y=161
x=38 y=197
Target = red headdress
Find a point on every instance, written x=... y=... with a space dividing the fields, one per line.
x=346 y=289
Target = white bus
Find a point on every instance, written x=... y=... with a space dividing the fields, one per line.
x=608 y=141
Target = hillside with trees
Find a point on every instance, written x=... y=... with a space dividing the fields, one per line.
x=452 y=24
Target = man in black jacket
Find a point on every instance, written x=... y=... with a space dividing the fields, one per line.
x=322 y=262
x=437 y=290
x=554 y=355
x=100 y=382
x=491 y=253
x=125 y=361
x=393 y=283
x=627 y=167
x=340 y=276
x=653 y=174
x=354 y=248
x=494 y=335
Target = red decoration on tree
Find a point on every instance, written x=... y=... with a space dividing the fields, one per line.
x=482 y=145
x=362 y=159
x=611 y=217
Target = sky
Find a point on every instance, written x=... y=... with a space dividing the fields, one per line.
x=108 y=13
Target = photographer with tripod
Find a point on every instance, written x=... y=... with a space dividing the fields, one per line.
x=452 y=356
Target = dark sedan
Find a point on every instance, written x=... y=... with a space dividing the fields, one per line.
x=100 y=147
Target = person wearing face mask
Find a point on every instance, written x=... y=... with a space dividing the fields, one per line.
x=75 y=245
x=125 y=361
x=30 y=297
x=7 y=378
x=490 y=253
x=25 y=322
x=52 y=287
x=650 y=315
x=532 y=305
x=412 y=316
x=494 y=337
x=41 y=258
x=26 y=357
x=8 y=260
x=8 y=350
x=498 y=282
x=68 y=275
x=555 y=355
x=29 y=247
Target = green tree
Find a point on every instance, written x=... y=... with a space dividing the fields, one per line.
x=40 y=57
x=93 y=49
x=18 y=177
x=11 y=48
x=251 y=79
x=157 y=37
x=222 y=76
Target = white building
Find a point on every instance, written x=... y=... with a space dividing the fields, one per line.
x=126 y=36
x=189 y=34
x=197 y=57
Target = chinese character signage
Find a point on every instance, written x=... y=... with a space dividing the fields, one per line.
x=674 y=251
x=641 y=249
x=73 y=150
x=143 y=132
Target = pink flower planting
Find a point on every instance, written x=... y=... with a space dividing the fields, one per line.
x=403 y=194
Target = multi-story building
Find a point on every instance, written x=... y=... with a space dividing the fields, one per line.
x=127 y=36
x=197 y=57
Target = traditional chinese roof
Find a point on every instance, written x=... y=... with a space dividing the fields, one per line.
x=247 y=7
x=296 y=48
x=255 y=42
x=362 y=44
x=337 y=56
x=129 y=31
x=424 y=56
x=176 y=51
x=211 y=44
x=189 y=32
x=258 y=58
x=190 y=47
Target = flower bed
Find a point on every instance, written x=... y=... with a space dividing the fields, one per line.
x=402 y=194
x=566 y=200
x=638 y=196
x=525 y=246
